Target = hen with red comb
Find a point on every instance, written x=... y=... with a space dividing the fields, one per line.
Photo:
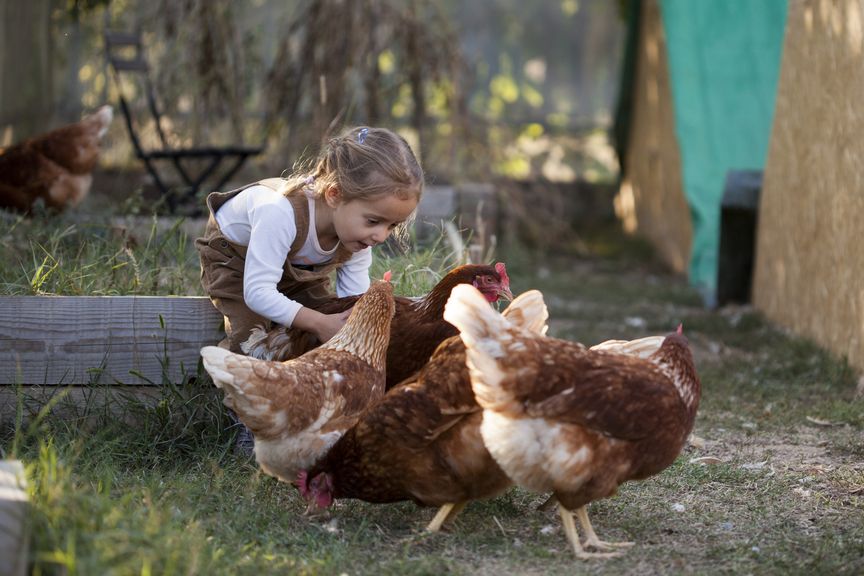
x=416 y=330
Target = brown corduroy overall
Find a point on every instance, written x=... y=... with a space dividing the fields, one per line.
x=223 y=261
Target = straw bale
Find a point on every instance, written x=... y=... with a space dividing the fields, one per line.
x=651 y=199
x=809 y=272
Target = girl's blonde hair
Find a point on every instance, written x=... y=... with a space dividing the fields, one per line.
x=362 y=163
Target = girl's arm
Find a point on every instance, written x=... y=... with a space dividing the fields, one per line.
x=324 y=326
x=352 y=278
x=272 y=232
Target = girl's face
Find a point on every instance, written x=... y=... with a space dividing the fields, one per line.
x=363 y=223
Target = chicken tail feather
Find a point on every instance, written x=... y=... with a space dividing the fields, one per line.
x=641 y=348
x=275 y=344
x=231 y=372
x=528 y=311
x=477 y=322
x=215 y=363
x=480 y=328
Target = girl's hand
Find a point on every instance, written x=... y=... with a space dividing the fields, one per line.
x=330 y=324
x=324 y=326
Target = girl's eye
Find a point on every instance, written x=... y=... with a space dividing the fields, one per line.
x=372 y=222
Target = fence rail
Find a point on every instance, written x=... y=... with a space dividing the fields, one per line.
x=73 y=340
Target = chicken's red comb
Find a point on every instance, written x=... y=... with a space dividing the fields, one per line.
x=502 y=271
x=680 y=329
x=387 y=275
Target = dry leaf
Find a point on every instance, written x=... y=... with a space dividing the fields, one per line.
x=696 y=441
x=706 y=460
x=819 y=422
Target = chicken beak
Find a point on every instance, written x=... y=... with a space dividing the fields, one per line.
x=505 y=293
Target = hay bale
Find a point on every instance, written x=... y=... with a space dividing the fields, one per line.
x=651 y=199
x=809 y=272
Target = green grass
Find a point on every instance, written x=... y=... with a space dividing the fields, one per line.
x=126 y=486
x=69 y=255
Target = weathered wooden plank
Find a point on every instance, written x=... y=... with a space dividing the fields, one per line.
x=14 y=529
x=49 y=340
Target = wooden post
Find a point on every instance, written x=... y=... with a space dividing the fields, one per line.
x=14 y=528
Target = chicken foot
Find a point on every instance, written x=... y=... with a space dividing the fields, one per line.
x=445 y=515
x=573 y=537
x=591 y=538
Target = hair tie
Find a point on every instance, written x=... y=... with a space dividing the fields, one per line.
x=309 y=180
x=361 y=136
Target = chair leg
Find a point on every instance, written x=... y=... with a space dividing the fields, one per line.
x=163 y=188
x=214 y=163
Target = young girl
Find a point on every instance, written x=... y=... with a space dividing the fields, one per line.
x=269 y=247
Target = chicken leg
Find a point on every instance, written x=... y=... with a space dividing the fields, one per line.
x=591 y=538
x=445 y=514
x=573 y=537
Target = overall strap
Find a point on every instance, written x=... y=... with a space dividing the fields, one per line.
x=301 y=220
x=215 y=200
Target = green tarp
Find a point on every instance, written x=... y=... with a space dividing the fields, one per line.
x=724 y=62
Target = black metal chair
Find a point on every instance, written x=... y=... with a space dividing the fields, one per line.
x=125 y=55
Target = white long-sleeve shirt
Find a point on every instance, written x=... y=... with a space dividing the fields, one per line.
x=263 y=220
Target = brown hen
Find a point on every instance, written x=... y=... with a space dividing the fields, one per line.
x=560 y=418
x=54 y=167
x=417 y=328
x=298 y=409
x=421 y=441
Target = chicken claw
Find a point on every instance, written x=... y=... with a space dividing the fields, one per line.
x=591 y=538
x=573 y=537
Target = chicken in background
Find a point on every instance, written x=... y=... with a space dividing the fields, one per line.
x=54 y=167
x=298 y=409
x=421 y=441
x=560 y=418
x=417 y=328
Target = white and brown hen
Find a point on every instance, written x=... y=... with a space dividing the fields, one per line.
x=575 y=422
x=299 y=408
x=421 y=441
